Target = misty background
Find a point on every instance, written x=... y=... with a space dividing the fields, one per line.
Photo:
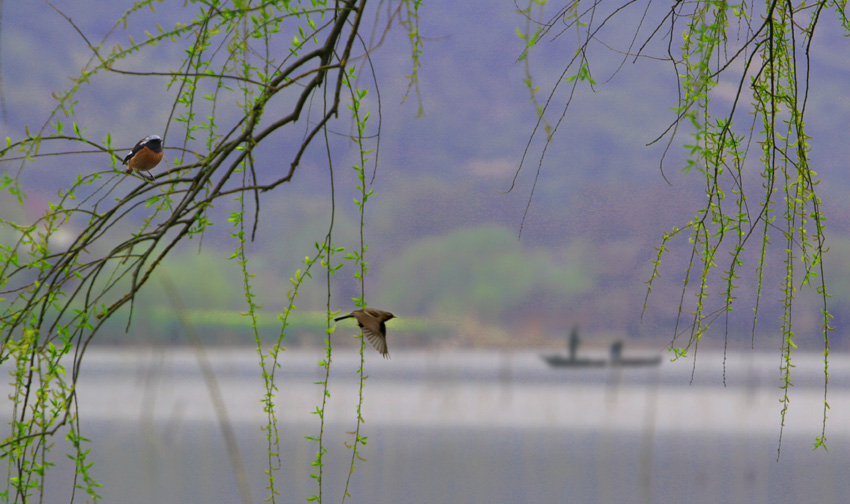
x=466 y=410
x=442 y=231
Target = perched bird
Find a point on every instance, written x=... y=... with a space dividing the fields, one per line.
x=145 y=155
x=371 y=322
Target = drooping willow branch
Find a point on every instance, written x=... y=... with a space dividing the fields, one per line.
x=183 y=183
x=764 y=50
x=56 y=302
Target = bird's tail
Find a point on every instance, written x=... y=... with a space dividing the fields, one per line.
x=343 y=317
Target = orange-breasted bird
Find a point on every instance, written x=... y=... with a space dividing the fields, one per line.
x=145 y=155
x=371 y=322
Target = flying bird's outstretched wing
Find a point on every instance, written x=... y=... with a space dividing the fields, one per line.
x=371 y=322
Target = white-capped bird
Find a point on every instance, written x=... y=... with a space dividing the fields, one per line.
x=144 y=156
x=371 y=322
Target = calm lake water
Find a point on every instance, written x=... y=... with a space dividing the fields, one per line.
x=467 y=427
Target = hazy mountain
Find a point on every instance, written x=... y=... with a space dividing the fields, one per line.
x=599 y=207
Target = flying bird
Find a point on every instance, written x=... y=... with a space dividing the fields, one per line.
x=371 y=322
x=145 y=155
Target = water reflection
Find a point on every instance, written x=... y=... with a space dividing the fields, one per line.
x=494 y=427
